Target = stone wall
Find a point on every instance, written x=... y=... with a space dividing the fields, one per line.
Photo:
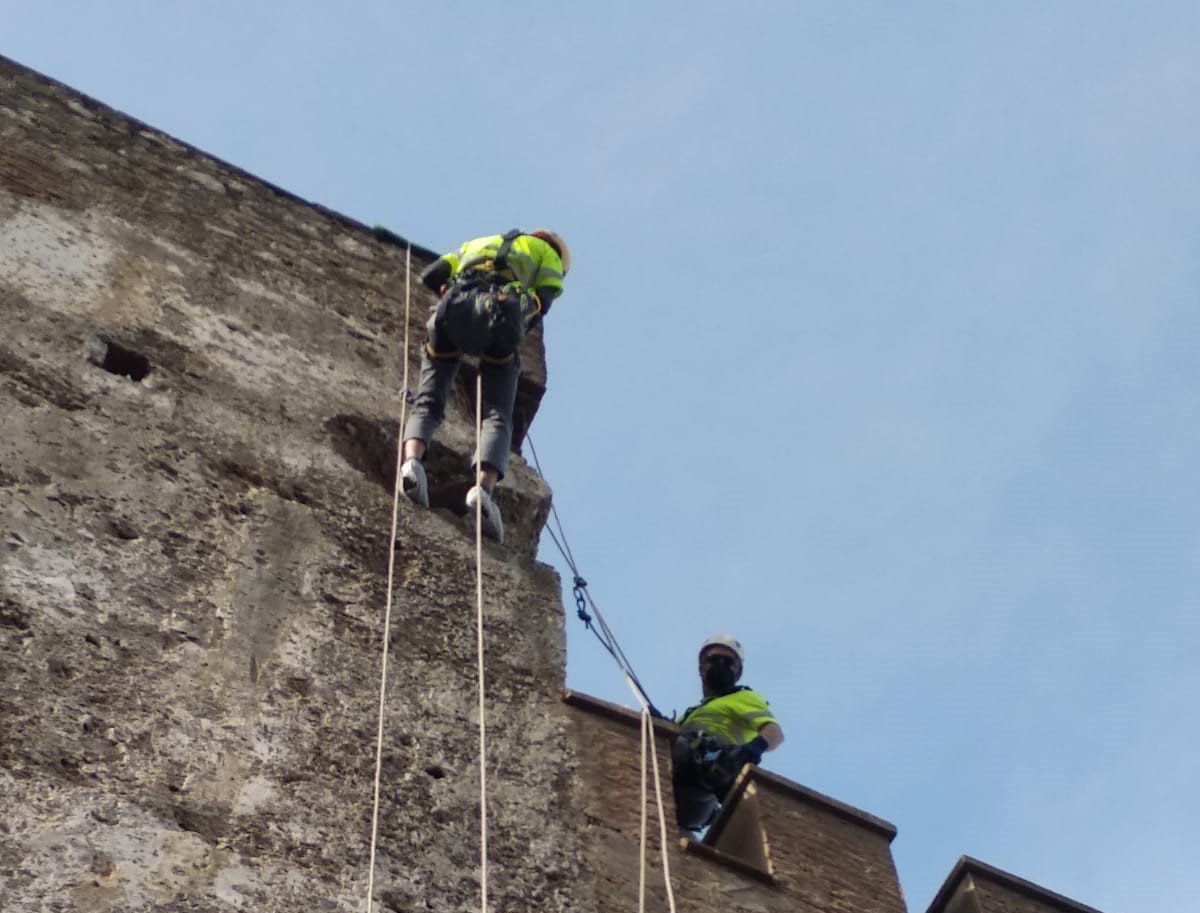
x=199 y=379
x=198 y=396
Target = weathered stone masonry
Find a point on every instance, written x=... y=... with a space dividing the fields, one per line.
x=193 y=563
x=199 y=379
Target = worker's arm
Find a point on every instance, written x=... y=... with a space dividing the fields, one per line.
x=437 y=274
x=769 y=737
x=547 y=280
x=772 y=735
x=545 y=297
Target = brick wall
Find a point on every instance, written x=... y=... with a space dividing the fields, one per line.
x=193 y=566
x=976 y=887
x=825 y=857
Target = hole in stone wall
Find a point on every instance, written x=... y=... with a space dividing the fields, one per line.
x=369 y=445
x=436 y=772
x=118 y=359
x=13 y=615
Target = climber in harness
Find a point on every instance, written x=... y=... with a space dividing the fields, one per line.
x=493 y=290
x=730 y=728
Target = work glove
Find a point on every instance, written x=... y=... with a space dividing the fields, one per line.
x=751 y=752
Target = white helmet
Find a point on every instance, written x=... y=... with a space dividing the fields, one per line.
x=556 y=241
x=728 y=641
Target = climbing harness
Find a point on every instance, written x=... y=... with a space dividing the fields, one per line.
x=583 y=599
x=397 y=484
x=481 y=316
x=500 y=263
x=485 y=311
x=714 y=763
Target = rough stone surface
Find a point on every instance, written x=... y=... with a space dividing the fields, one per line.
x=199 y=379
x=198 y=391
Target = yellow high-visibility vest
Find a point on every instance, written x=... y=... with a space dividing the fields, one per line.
x=732 y=719
x=534 y=264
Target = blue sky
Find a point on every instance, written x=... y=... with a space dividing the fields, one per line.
x=878 y=351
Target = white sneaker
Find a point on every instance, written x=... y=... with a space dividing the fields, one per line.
x=493 y=523
x=412 y=477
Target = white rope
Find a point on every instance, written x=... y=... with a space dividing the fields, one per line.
x=642 y=828
x=648 y=736
x=483 y=855
x=391 y=573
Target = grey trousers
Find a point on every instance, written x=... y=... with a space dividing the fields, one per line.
x=499 y=396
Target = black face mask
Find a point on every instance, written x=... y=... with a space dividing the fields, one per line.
x=720 y=674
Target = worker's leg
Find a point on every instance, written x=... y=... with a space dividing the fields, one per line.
x=439 y=366
x=499 y=377
x=695 y=805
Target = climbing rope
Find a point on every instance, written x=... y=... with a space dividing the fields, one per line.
x=647 y=727
x=583 y=599
x=483 y=855
x=397 y=484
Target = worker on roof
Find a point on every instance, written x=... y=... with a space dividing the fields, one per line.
x=492 y=291
x=730 y=728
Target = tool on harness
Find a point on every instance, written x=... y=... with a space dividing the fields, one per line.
x=478 y=315
x=713 y=764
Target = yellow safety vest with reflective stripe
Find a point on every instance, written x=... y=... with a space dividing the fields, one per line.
x=732 y=719
x=533 y=263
